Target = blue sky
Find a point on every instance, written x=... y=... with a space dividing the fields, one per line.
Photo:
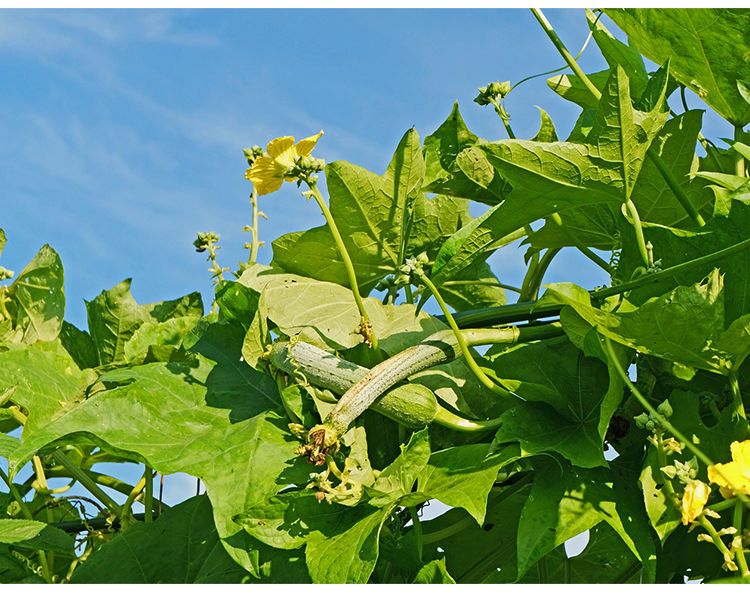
x=122 y=130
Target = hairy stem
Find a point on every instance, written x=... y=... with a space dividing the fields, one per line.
x=367 y=331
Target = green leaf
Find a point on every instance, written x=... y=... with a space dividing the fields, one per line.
x=462 y=476
x=137 y=555
x=567 y=501
x=291 y=519
x=46 y=378
x=350 y=556
x=373 y=213
x=574 y=90
x=703 y=47
x=434 y=572
x=114 y=317
x=664 y=517
x=598 y=226
x=8 y=444
x=563 y=412
x=80 y=346
x=35 y=535
x=618 y=54
x=325 y=314
x=151 y=337
x=479 y=288
x=397 y=480
x=37 y=299
x=551 y=177
x=674 y=246
x=213 y=419
x=474 y=553
x=472 y=177
x=546 y=132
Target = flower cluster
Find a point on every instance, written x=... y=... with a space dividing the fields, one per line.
x=283 y=161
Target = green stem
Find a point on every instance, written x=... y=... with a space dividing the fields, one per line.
x=450 y=420
x=137 y=489
x=148 y=501
x=541 y=270
x=103 y=480
x=739 y=406
x=528 y=278
x=517 y=312
x=505 y=117
x=640 y=239
x=353 y=284
x=738 y=522
x=83 y=478
x=569 y=58
x=715 y=538
x=43 y=561
x=663 y=422
x=739 y=161
x=662 y=460
x=557 y=219
x=667 y=174
x=255 y=243
x=409 y=294
x=417 y=524
x=470 y=361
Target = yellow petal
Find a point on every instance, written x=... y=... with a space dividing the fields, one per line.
x=278 y=146
x=741 y=452
x=306 y=145
x=733 y=476
x=265 y=176
x=693 y=501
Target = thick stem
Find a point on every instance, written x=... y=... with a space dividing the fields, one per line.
x=669 y=178
x=366 y=329
x=506 y=314
x=640 y=239
x=541 y=270
x=83 y=478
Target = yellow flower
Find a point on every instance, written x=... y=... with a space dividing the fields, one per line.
x=693 y=501
x=268 y=172
x=735 y=474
